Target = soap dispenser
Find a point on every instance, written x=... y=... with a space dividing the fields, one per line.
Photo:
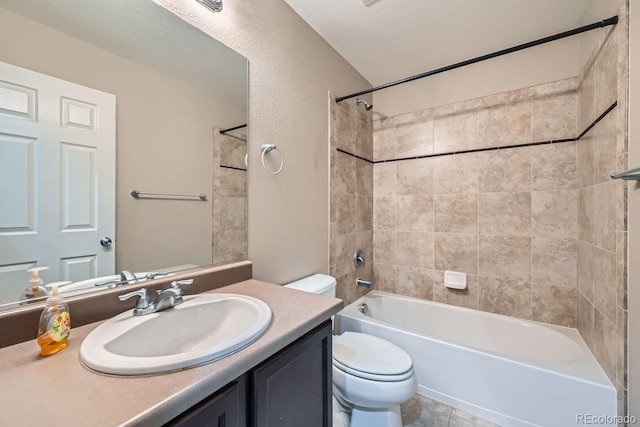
x=34 y=288
x=55 y=323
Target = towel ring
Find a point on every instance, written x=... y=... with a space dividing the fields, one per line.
x=265 y=148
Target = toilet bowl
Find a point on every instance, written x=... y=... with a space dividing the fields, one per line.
x=371 y=376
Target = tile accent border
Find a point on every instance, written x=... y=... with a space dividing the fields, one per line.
x=479 y=150
x=233 y=167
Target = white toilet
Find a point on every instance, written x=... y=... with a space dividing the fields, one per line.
x=371 y=376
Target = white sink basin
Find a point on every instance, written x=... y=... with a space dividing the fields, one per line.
x=202 y=329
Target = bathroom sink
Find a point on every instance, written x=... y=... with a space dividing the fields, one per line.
x=202 y=329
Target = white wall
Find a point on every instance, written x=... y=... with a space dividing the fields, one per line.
x=291 y=68
x=545 y=63
x=557 y=60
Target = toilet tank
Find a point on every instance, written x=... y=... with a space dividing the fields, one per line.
x=320 y=284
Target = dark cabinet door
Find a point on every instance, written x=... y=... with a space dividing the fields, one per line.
x=225 y=408
x=293 y=388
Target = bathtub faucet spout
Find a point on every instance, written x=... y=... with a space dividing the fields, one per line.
x=362 y=282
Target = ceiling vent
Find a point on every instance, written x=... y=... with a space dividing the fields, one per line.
x=213 y=5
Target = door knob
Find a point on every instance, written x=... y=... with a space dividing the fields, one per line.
x=106 y=241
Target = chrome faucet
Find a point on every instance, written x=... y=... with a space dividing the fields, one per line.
x=166 y=298
x=362 y=282
x=127 y=277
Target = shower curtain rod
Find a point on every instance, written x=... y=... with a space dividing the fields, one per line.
x=604 y=23
x=223 y=131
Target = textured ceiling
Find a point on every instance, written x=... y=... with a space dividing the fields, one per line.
x=391 y=39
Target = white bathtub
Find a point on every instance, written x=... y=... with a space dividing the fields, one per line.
x=509 y=371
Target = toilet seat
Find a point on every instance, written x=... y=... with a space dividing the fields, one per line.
x=362 y=393
x=371 y=376
x=370 y=357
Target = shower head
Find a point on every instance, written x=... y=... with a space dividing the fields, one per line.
x=367 y=106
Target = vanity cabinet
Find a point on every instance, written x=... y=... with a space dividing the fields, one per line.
x=293 y=388
x=225 y=408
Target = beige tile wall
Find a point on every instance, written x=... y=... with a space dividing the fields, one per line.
x=540 y=230
x=602 y=228
x=229 y=214
x=507 y=218
x=351 y=205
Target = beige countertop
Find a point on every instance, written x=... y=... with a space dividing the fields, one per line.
x=59 y=391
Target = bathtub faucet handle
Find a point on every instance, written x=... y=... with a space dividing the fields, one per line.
x=365 y=283
x=358 y=259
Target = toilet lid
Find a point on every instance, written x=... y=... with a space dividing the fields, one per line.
x=370 y=356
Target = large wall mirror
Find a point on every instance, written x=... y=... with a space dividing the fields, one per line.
x=102 y=99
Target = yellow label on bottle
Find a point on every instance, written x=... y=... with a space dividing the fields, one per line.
x=59 y=326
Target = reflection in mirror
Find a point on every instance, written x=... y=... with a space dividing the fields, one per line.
x=229 y=195
x=98 y=99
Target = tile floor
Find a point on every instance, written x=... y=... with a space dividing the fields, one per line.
x=421 y=411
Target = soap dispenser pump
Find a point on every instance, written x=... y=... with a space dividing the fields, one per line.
x=34 y=288
x=55 y=323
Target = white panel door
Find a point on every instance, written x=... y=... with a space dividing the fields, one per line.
x=57 y=179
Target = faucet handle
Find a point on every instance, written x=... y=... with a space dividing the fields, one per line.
x=143 y=298
x=177 y=283
x=127 y=277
